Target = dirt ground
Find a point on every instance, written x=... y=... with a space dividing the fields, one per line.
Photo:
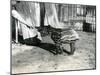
x=30 y=59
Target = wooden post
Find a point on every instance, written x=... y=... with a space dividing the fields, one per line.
x=16 y=22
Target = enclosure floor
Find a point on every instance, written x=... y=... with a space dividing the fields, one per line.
x=30 y=59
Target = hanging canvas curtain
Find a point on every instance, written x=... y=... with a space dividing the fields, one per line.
x=27 y=14
x=30 y=11
x=51 y=17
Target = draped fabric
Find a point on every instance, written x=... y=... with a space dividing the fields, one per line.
x=27 y=13
x=30 y=11
x=51 y=17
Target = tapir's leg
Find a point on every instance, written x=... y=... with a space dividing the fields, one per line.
x=72 y=47
x=59 y=50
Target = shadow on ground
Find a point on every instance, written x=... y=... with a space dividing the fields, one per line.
x=48 y=47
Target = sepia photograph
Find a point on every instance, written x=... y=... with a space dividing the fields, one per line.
x=52 y=37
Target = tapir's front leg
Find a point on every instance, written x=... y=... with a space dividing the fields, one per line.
x=59 y=48
x=72 y=47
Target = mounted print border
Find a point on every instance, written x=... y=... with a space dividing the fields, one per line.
x=52 y=37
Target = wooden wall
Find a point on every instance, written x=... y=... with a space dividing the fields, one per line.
x=77 y=14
